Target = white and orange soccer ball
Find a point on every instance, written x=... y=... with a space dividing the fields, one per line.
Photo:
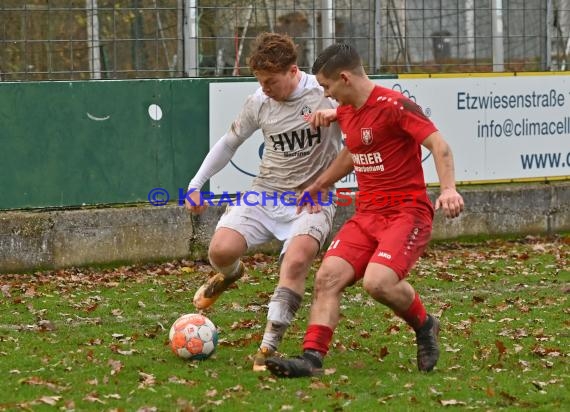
x=193 y=336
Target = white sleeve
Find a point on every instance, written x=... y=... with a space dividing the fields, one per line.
x=224 y=149
x=216 y=159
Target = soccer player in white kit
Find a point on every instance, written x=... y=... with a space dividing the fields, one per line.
x=294 y=156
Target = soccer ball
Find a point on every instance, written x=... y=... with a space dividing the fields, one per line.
x=193 y=336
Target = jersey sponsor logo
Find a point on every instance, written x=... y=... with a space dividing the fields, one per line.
x=384 y=255
x=367 y=162
x=366 y=135
x=297 y=139
x=366 y=158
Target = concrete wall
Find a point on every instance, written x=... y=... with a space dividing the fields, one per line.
x=51 y=239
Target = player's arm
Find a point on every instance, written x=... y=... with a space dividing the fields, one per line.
x=216 y=159
x=221 y=153
x=449 y=199
x=339 y=168
x=322 y=117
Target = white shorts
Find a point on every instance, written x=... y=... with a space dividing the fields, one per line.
x=261 y=223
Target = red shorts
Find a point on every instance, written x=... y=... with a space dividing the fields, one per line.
x=396 y=240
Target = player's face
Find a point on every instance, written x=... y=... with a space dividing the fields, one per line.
x=335 y=88
x=278 y=86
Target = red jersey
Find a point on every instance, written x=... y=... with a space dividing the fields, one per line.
x=383 y=138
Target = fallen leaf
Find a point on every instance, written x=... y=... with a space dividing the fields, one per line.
x=318 y=385
x=539 y=385
x=94 y=398
x=451 y=402
x=450 y=349
x=508 y=396
x=50 y=400
x=113 y=396
x=435 y=391
x=116 y=366
x=501 y=348
x=146 y=379
x=37 y=381
x=46 y=325
x=6 y=291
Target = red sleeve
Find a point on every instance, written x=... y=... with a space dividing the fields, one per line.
x=413 y=120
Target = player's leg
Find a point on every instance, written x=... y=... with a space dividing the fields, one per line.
x=304 y=235
x=385 y=286
x=344 y=263
x=238 y=229
x=334 y=275
x=226 y=248
x=287 y=296
x=404 y=240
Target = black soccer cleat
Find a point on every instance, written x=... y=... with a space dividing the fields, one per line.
x=428 y=348
x=302 y=366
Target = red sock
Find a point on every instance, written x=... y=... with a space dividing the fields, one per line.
x=416 y=314
x=318 y=337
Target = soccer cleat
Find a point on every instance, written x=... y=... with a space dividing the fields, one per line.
x=210 y=291
x=428 y=349
x=260 y=357
x=302 y=366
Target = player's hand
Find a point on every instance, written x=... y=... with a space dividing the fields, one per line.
x=196 y=207
x=322 y=118
x=312 y=199
x=450 y=202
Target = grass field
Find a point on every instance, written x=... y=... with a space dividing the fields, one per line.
x=95 y=339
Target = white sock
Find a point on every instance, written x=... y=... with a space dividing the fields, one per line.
x=282 y=308
x=227 y=271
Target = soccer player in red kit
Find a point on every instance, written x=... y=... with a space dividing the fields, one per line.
x=393 y=220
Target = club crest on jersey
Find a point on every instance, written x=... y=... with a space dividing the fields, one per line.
x=306 y=112
x=366 y=135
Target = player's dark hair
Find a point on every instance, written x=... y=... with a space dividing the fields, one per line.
x=335 y=58
x=272 y=52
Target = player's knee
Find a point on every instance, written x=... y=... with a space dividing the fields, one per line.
x=295 y=267
x=220 y=256
x=225 y=250
x=329 y=282
x=378 y=290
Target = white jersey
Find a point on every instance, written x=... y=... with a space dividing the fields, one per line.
x=294 y=155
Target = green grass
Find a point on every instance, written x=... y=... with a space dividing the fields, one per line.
x=90 y=339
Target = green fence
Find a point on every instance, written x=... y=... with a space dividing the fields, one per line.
x=67 y=144
x=82 y=143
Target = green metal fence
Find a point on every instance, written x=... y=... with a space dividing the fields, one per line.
x=124 y=39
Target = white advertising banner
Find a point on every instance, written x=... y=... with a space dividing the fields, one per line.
x=499 y=128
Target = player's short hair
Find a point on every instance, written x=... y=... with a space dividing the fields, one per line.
x=337 y=57
x=272 y=52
